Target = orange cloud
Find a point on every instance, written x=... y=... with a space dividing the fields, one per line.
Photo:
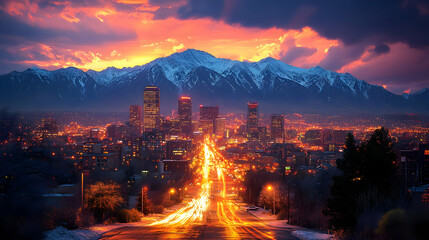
x=161 y=37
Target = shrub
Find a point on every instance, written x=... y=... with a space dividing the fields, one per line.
x=103 y=198
x=127 y=215
x=158 y=209
x=394 y=225
x=66 y=218
x=86 y=219
x=282 y=214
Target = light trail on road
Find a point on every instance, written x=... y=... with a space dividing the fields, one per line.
x=196 y=207
x=226 y=210
x=213 y=214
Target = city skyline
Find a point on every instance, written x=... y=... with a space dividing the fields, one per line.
x=214 y=119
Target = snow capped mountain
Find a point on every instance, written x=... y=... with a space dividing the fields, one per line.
x=209 y=80
x=108 y=75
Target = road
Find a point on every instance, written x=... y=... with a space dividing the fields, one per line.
x=215 y=214
x=211 y=227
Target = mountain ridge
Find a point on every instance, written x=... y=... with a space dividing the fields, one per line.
x=208 y=80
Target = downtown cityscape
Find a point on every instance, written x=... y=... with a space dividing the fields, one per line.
x=223 y=119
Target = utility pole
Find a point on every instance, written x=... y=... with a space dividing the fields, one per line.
x=288 y=185
x=81 y=192
x=274 y=199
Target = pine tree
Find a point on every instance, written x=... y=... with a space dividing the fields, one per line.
x=342 y=205
x=378 y=167
x=368 y=180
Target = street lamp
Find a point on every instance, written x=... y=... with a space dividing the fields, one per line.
x=270 y=188
x=172 y=191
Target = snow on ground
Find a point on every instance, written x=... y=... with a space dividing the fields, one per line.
x=282 y=224
x=61 y=233
x=309 y=235
x=96 y=231
x=263 y=214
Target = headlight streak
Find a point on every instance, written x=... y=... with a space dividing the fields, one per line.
x=196 y=207
x=226 y=209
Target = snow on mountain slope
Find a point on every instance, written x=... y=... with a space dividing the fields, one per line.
x=178 y=65
x=203 y=75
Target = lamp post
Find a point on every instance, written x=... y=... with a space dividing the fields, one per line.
x=270 y=188
x=288 y=185
x=169 y=193
x=81 y=193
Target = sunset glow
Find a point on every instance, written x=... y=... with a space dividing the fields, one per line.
x=126 y=33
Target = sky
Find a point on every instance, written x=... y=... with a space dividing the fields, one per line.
x=384 y=42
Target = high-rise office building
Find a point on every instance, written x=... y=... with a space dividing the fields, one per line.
x=185 y=115
x=136 y=118
x=278 y=128
x=219 y=127
x=209 y=113
x=252 y=120
x=207 y=118
x=151 y=115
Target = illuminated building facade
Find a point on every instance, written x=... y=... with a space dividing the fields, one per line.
x=219 y=127
x=136 y=118
x=153 y=146
x=209 y=113
x=277 y=128
x=48 y=126
x=252 y=120
x=313 y=137
x=151 y=114
x=185 y=115
x=178 y=149
x=207 y=118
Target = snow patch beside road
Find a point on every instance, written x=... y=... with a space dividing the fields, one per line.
x=308 y=235
x=62 y=233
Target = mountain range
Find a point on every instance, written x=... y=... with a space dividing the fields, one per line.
x=278 y=87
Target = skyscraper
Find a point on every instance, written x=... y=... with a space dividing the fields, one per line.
x=219 y=127
x=151 y=115
x=185 y=115
x=136 y=118
x=277 y=128
x=209 y=113
x=207 y=118
x=252 y=120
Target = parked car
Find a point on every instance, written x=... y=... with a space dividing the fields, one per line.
x=252 y=208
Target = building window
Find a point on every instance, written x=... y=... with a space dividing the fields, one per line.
x=427 y=152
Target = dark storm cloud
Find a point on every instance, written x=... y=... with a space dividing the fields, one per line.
x=297 y=52
x=13 y=32
x=351 y=21
x=293 y=52
x=339 y=56
x=381 y=48
x=167 y=8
